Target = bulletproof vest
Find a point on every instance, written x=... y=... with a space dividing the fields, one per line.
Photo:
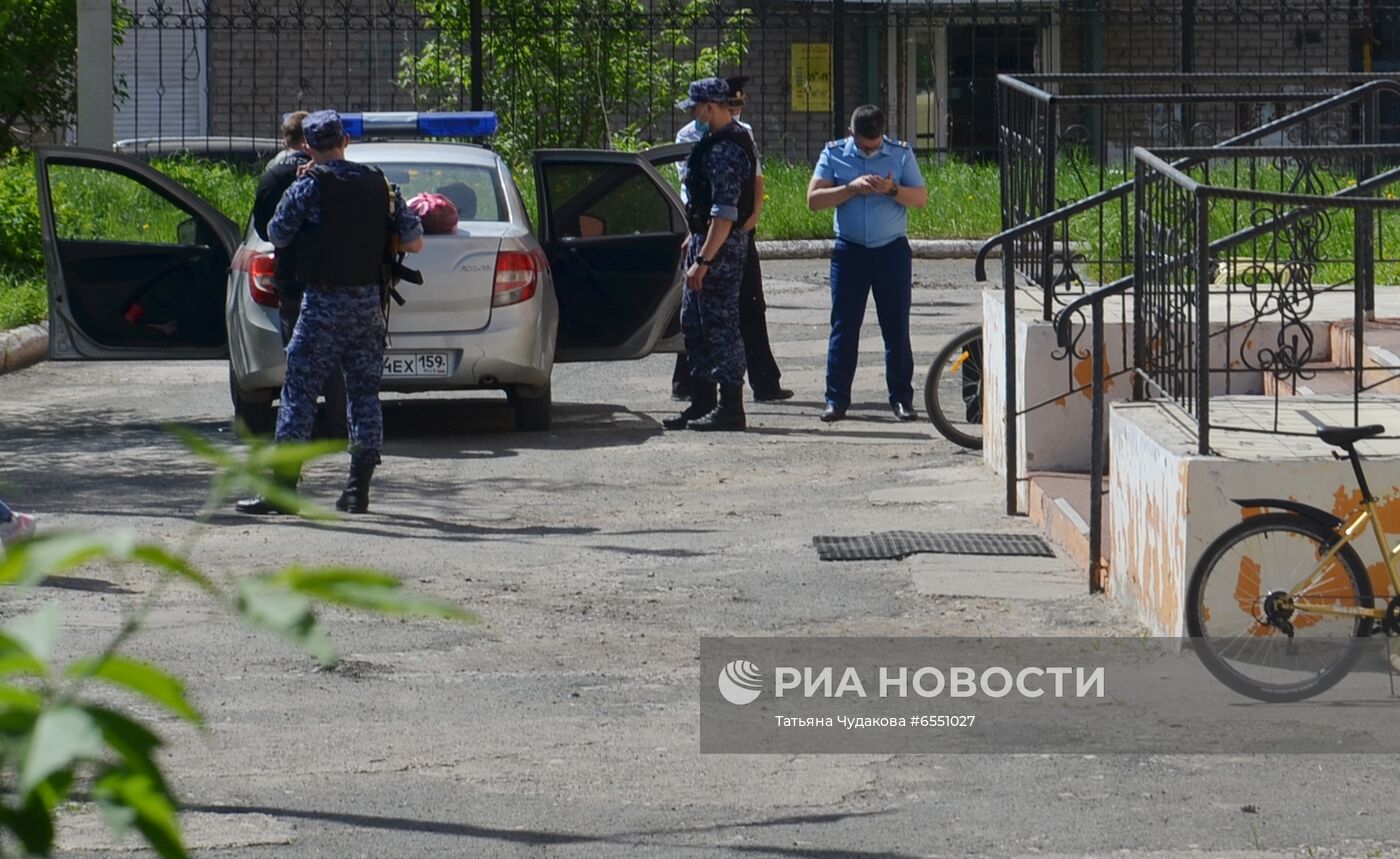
x=700 y=190
x=347 y=249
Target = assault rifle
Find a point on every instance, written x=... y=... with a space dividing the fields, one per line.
x=392 y=271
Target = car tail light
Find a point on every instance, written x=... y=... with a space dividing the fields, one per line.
x=517 y=278
x=262 y=282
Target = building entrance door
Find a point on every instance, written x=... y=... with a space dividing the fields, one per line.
x=976 y=55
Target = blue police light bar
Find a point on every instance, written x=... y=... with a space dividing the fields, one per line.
x=414 y=124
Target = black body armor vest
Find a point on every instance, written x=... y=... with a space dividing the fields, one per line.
x=698 y=188
x=347 y=249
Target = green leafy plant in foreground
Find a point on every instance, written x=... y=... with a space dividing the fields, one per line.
x=56 y=739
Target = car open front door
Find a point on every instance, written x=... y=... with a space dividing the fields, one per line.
x=612 y=228
x=137 y=265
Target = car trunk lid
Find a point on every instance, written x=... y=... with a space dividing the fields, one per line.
x=458 y=275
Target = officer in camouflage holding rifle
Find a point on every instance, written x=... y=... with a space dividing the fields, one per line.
x=340 y=217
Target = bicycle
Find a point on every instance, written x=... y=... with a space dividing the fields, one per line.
x=953 y=390
x=1300 y=588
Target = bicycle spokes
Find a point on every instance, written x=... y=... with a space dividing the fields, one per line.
x=1272 y=616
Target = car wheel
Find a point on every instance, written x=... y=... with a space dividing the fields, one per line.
x=532 y=413
x=253 y=409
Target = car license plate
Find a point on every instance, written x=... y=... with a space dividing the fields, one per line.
x=399 y=364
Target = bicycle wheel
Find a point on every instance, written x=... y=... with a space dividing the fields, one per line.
x=953 y=391
x=1240 y=634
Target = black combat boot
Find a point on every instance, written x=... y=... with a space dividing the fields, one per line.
x=261 y=505
x=728 y=415
x=355 y=498
x=702 y=401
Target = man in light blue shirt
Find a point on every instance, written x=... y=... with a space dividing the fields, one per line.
x=871 y=181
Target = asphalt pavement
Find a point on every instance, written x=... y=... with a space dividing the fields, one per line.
x=597 y=554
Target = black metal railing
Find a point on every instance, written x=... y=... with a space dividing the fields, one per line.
x=1171 y=331
x=1042 y=246
x=1064 y=138
x=1232 y=272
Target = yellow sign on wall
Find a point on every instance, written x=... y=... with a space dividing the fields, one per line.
x=811 y=77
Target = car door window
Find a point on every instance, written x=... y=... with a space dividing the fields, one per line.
x=91 y=204
x=602 y=200
x=138 y=269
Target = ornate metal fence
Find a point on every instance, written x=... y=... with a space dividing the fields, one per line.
x=1067 y=191
x=599 y=72
x=1069 y=138
x=1242 y=255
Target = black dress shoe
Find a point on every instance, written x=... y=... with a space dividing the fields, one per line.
x=771 y=395
x=833 y=413
x=905 y=413
x=258 y=506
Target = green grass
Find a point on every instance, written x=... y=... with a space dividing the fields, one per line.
x=964 y=202
x=23 y=299
x=94 y=204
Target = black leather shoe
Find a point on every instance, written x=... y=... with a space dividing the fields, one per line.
x=833 y=413
x=905 y=413
x=772 y=395
x=258 y=506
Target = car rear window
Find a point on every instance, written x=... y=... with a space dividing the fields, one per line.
x=475 y=191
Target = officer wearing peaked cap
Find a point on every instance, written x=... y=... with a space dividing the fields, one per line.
x=339 y=216
x=719 y=183
x=763 y=371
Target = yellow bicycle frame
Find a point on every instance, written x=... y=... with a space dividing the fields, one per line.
x=1347 y=534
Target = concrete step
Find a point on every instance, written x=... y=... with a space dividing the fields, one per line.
x=1327 y=380
x=1381 y=356
x=1059 y=505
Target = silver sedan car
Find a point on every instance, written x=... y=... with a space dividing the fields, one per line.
x=140 y=267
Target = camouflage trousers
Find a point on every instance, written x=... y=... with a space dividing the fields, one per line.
x=714 y=346
x=341 y=327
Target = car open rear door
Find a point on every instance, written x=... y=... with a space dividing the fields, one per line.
x=137 y=265
x=612 y=229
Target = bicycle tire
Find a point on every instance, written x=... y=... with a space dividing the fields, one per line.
x=969 y=341
x=1198 y=621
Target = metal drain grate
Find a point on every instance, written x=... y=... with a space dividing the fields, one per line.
x=893 y=545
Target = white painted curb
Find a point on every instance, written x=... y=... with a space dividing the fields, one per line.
x=21 y=347
x=922 y=248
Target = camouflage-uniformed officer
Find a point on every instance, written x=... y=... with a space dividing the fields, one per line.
x=340 y=216
x=281 y=172
x=719 y=190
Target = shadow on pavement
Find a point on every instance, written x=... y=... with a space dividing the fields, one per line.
x=439 y=428
x=541 y=837
x=79 y=583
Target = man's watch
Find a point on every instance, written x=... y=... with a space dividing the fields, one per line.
x=705 y=262
x=893 y=191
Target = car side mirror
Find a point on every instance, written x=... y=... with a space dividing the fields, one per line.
x=591 y=226
x=187 y=233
